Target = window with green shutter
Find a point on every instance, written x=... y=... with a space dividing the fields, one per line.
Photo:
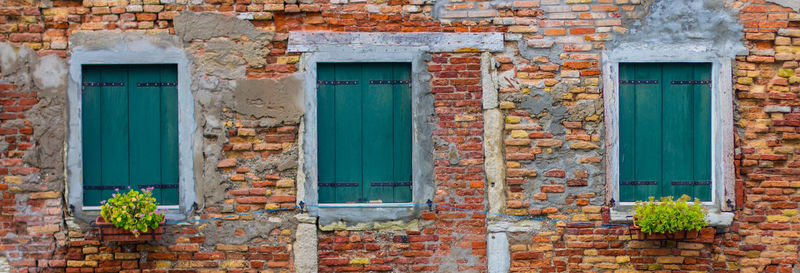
x=664 y=130
x=129 y=116
x=364 y=132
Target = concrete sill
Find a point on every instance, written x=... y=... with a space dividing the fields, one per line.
x=714 y=218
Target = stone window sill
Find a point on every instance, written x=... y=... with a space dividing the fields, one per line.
x=715 y=218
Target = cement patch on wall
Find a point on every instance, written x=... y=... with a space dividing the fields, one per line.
x=278 y=100
x=203 y=26
x=426 y=41
x=793 y=4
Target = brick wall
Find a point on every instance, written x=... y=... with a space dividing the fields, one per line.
x=550 y=94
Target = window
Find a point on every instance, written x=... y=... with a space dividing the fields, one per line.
x=130 y=130
x=364 y=132
x=665 y=143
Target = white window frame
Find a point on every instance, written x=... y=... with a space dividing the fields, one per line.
x=131 y=52
x=723 y=179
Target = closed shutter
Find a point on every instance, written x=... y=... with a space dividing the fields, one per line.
x=665 y=131
x=130 y=130
x=364 y=133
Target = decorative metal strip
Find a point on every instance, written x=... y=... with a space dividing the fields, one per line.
x=160 y=186
x=690 y=82
x=691 y=183
x=389 y=82
x=639 y=182
x=103 y=187
x=389 y=184
x=156 y=84
x=638 y=82
x=101 y=84
x=337 y=82
x=111 y=187
x=338 y=185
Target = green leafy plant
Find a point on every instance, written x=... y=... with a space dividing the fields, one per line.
x=135 y=211
x=669 y=216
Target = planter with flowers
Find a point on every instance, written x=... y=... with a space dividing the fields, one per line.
x=668 y=219
x=132 y=216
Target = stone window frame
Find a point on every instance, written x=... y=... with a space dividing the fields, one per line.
x=348 y=47
x=723 y=178
x=130 y=52
x=422 y=185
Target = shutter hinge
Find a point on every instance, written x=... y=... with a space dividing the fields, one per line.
x=639 y=182
x=389 y=82
x=337 y=82
x=691 y=183
x=101 y=84
x=337 y=185
x=690 y=82
x=390 y=184
x=156 y=84
x=638 y=81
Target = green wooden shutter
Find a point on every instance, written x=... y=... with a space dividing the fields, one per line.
x=364 y=133
x=665 y=131
x=130 y=119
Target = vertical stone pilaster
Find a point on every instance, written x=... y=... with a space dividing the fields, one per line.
x=305 y=245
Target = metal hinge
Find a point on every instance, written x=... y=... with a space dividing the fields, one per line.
x=156 y=84
x=389 y=82
x=638 y=81
x=690 y=82
x=337 y=82
x=639 y=182
x=337 y=185
x=389 y=184
x=101 y=84
x=691 y=183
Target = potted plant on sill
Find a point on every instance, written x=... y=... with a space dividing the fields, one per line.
x=132 y=216
x=668 y=219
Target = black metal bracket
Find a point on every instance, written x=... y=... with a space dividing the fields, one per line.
x=612 y=202
x=302 y=206
x=156 y=84
x=430 y=205
x=337 y=82
x=638 y=81
x=731 y=205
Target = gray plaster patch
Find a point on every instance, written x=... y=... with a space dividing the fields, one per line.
x=280 y=101
x=203 y=26
x=706 y=22
x=47 y=116
x=793 y=4
x=133 y=41
x=427 y=41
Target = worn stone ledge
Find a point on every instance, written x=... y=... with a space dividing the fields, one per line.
x=430 y=41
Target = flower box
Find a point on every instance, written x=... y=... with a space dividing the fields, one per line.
x=678 y=235
x=109 y=233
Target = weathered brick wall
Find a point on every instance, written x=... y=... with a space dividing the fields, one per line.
x=766 y=89
x=549 y=83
